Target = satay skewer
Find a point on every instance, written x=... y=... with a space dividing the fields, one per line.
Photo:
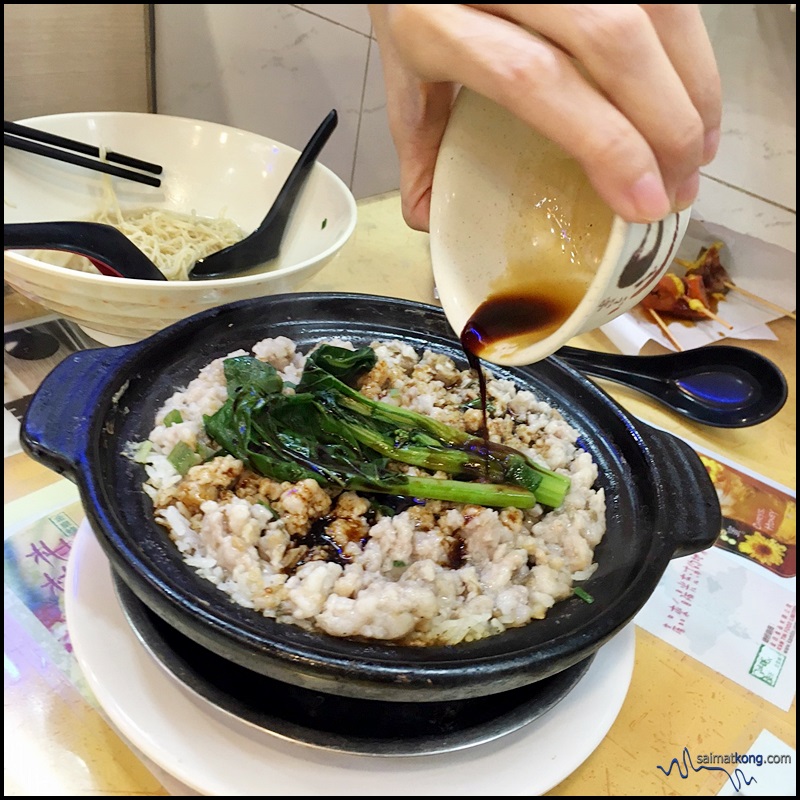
x=769 y=304
x=711 y=315
x=663 y=325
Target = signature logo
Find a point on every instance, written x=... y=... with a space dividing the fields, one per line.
x=737 y=778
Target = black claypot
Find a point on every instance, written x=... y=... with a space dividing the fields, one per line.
x=660 y=502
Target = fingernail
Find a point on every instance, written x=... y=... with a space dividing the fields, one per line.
x=687 y=192
x=711 y=145
x=650 y=198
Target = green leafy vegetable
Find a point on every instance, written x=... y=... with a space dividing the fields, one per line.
x=337 y=362
x=248 y=373
x=330 y=432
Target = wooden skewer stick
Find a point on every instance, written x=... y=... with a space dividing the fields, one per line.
x=661 y=324
x=711 y=315
x=774 y=306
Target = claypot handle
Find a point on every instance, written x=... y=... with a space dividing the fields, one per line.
x=55 y=428
x=689 y=513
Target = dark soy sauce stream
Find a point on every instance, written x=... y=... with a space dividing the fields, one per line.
x=507 y=317
x=504 y=317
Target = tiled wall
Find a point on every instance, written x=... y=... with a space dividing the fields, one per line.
x=751 y=185
x=278 y=69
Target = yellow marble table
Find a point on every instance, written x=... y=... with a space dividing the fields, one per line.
x=57 y=742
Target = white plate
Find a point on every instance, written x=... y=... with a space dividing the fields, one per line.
x=214 y=754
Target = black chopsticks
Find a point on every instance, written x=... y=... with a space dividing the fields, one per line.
x=60 y=148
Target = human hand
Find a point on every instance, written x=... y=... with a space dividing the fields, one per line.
x=630 y=91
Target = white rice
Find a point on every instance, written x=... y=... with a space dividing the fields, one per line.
x=398 y=579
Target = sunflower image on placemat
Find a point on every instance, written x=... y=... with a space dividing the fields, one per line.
x=759 y=521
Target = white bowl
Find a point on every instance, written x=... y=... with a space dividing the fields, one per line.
x=520 y=236
x=209 y=169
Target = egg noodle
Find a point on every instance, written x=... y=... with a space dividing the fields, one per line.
x=171 y=240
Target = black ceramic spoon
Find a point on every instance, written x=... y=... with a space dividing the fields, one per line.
x=722 y=386
x=107 y=248
x=264 y=243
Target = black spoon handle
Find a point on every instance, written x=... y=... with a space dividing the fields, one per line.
x=618 y=368
x=300 y=171
x=263 y=244
x=108 y=249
